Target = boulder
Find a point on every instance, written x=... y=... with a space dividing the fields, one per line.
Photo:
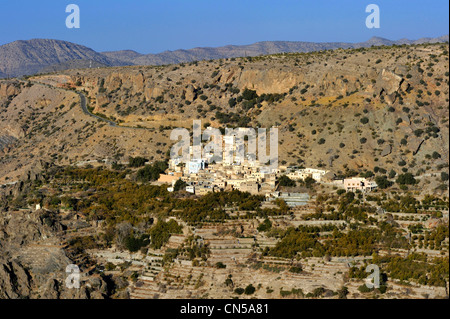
x=386 y=150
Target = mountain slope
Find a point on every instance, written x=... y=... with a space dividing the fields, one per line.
x=73 y=64
x=336 y=109
x=34 y=56
x=264 y=48
x=28 y=57
x=123 y=55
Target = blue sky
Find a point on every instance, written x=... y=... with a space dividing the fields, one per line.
x=154 y=26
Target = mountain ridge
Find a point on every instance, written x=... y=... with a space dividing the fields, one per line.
x=26 y=57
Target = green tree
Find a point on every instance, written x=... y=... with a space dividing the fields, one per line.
x=286 y=181
x=383 y=182
x=179 y=185
x=406 y=179
x=249 y=94
x=265 y=225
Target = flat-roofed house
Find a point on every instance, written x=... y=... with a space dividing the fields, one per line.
x=251 y=187
x=359 y=183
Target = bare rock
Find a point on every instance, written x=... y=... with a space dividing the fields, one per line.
x=386 y=150
x=153 y=92
x=190 y=93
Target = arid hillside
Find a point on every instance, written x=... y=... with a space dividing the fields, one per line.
x=345 y=110
x=378 y=113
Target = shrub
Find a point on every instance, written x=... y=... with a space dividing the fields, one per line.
x=392 y=173
x=239 y=291
x=136 y=161
x=249 y=289
x=435 y=155
x=133 y=244
x=220 y=265
x=232 y=102
x=179 y=185
x=364 y=120
x=151 y=172
x=296 y=269
x=364 y=289
x=406 y=179
x=383 y=182
x=161 y=232
x=286 y=181
x=402 y=163
x=265 y=225
x=249 y=94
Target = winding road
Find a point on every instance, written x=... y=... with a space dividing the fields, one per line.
x=86 y=111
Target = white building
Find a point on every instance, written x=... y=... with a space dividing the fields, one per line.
x=359 y=183
x=303 y=173
x=195 y=166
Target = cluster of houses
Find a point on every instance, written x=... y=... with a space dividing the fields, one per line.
x=203 y=176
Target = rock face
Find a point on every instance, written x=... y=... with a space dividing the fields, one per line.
x=101 y=99
x=387 y=150
x=190 y=93
x=15 y=281
x=9 y=88
x=134 y=81
x=153 y=92
x=5 y=142
x=268 y=81
x=389 y=84
x=33 y=260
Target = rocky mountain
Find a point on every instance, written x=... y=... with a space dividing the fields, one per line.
x=33 y=56
x=123 y=55
x=29 y=57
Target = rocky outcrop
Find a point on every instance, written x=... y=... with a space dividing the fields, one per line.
x=153 y=92
x=101 y=99
x=33 y=260
x=386 y=150
x=389 y=84
x=15 y=280
x=14 y=131
x=43 y=102
x=190 y=93
x=134 y=81
x=9 y=88
x=268 y=80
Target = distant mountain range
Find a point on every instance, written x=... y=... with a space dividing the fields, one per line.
x=46 y=55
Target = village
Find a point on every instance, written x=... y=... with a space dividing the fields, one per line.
x=200 y=176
